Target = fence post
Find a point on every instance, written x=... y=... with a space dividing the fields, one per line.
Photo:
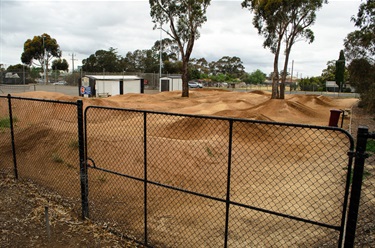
x=355 y=194
x=82 y=162
x=12 y=137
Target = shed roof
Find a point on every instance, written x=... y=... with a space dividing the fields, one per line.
x=113 y=77
x=173 y=76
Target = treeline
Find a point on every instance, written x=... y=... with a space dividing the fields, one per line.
x=226 y=69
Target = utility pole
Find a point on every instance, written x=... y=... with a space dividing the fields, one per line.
x=74 y=80
x=291 y=75
x=44 y=62
x=160 y=51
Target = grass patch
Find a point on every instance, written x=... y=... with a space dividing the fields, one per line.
x=5 y=122
x=57 y=159
x=74 y=144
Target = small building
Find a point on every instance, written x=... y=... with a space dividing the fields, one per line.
x=11 y=78
x=110 y=85
x=170 y=83
x=331 y=86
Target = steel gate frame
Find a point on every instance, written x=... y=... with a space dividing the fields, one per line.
x=88 y=163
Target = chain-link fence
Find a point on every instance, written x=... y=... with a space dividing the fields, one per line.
x=365 y=233
x=170 y=180
x=45 y=145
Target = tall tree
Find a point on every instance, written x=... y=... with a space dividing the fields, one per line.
x=340 y=71
x=301 y=15
x=41 y=49
x=108 y=61
x=232 y=66
x=60 y=64
x=360 y=52
x=269 y=19
x=361 y=43
x=184 y=18
x=282 y=21
x=328 y=74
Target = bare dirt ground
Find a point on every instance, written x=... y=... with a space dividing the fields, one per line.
x=23 y=205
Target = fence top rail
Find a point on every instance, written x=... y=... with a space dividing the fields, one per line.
x=231 y=119
x=39 y=99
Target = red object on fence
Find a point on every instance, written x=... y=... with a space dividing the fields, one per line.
x=334 y=117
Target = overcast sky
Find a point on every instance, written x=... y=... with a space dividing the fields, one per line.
x=83 y=27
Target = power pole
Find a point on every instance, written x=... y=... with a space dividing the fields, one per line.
x=74 y=80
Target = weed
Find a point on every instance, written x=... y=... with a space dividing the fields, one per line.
x=69 y=165
x=209 y=152
x=57 y=159
x=102 y=178
x=74 y=144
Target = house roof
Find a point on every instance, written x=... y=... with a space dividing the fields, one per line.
x=331 y=84
x=113 y=77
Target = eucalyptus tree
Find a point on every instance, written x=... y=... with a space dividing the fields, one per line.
x=60 y=64
x=102 y=60
x=232 y=66
x=169 y=49
x=302 y=15
x=269 y=19
x=361 y=42
x=283 y=22
x=184 y=17
x=360 y=52
x=40 y=50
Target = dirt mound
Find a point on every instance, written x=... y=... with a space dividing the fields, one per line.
x=311 y=109
x=260 y=92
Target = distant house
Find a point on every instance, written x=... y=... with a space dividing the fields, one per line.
x=331 y=86
x=12 y=78
x=110 y=85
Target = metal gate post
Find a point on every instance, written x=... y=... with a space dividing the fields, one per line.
x=12 y=137
x=82 y=162
x=355 y=194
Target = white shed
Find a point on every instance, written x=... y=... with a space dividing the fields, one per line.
x=110 y=85
x=170 y=83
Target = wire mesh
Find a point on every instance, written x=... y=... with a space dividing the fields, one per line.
x=182 y=165
x=46 y=145
x=365 y=234
x=6 y=161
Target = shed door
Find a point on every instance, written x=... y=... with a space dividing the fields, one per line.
x=121 y=85
x=164 y=85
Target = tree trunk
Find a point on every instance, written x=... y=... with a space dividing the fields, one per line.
x=185 y=86
x=275 y=76
x=283 y=76
x=47 y=73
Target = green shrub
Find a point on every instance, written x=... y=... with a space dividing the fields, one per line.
x=370 y=146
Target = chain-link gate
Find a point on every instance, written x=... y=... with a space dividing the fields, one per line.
x=169 y=180
x=189 y=181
